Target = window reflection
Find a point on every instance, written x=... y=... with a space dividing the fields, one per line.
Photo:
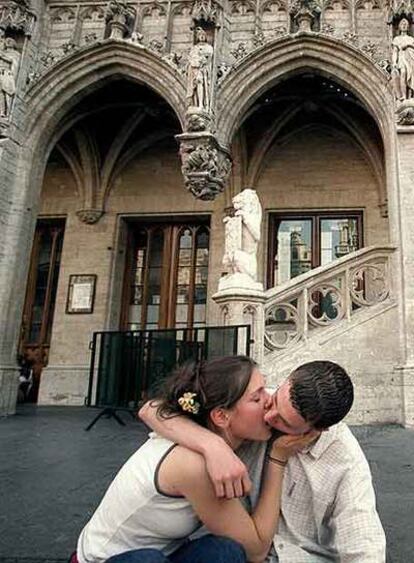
x=169 y=262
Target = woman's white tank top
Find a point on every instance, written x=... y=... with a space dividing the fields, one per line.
x=134 y=514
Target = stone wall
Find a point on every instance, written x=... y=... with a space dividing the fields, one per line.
x=69 y=49
x=331 y=175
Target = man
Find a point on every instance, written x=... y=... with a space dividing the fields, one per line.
x=328 y=504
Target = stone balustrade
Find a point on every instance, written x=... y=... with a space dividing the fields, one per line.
x=326 y=295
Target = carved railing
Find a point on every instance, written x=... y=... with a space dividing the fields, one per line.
x=327 y=295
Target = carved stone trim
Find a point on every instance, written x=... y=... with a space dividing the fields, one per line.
x=399 y=10
x=205 y=164
x=384 y=209
x=89 y=216
x=17 y=17
x=369 y=284
x=206 y=12
x=198 y=120
x=405 y=113
x=4 y=127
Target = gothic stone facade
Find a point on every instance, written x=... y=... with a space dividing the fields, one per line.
x=118 y=116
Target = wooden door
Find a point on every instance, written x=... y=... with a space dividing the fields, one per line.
x=37 y=321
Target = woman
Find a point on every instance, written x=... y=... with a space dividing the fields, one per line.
x=163 y=493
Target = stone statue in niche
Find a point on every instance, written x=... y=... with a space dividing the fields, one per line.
x=9 y=67
x=403 y=62
x=242 y=236
x=200 y=64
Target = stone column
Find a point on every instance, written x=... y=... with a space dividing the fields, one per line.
x=17 y=219
x=18 y=198
x=405 y=143
x=239 y=306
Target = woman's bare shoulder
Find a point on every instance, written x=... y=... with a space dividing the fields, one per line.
x=189 y=462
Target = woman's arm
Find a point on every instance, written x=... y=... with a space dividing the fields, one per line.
x=229 y=475
x=228 y=517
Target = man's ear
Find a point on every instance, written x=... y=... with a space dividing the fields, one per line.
x=220 y=417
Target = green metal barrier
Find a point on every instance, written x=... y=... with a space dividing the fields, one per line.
x=128 y=367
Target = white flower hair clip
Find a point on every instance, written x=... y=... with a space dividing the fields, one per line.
x=188 y=404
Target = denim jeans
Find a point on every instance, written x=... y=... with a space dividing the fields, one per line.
x=207 y=549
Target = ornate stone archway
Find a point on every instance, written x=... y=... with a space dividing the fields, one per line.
x=44 y=106
x=61 y=88
x=282 y=58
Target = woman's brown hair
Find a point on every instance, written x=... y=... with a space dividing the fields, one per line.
x=216 y=383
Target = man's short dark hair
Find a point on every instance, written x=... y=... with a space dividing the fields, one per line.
x=322 y=393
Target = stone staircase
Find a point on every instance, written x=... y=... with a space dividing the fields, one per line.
x=346 y=312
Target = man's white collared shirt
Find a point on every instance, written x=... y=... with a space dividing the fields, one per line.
x=328 y=503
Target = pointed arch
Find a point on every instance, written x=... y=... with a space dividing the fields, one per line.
x=282 y=58
x=71 y=79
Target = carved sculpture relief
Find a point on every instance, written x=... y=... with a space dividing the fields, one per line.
x=89 y=216
x=305 y=16
x=9 y=68
x=156 y=46
x=17 y=17
x=242 y=237
x=136 y=38
x=205 y=165
x=120 y=19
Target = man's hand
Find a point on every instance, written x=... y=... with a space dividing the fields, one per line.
x=288 y=445
x=227 y=472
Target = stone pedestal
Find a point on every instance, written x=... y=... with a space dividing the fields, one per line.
x=9 y=385
x=243 y=305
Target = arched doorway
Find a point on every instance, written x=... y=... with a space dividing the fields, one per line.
x=113 y=173
x=316 y=158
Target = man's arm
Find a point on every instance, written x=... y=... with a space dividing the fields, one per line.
x=357 y=530
x=227 y=473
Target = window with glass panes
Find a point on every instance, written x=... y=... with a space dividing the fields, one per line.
x=299 y=242
x=166 y=276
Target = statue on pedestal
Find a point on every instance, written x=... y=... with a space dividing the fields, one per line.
x=9 y=67
x=403 y=62
x=242 y=236
x=200 y=64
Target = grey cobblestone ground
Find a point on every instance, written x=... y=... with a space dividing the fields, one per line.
x=53 y=474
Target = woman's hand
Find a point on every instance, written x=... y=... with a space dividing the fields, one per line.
x=288 y=445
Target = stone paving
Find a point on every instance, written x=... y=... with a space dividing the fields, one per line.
x=53 y=474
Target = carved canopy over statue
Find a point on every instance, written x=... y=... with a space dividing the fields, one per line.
x=403 y=62
x=200 y=64
x=242 y=236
